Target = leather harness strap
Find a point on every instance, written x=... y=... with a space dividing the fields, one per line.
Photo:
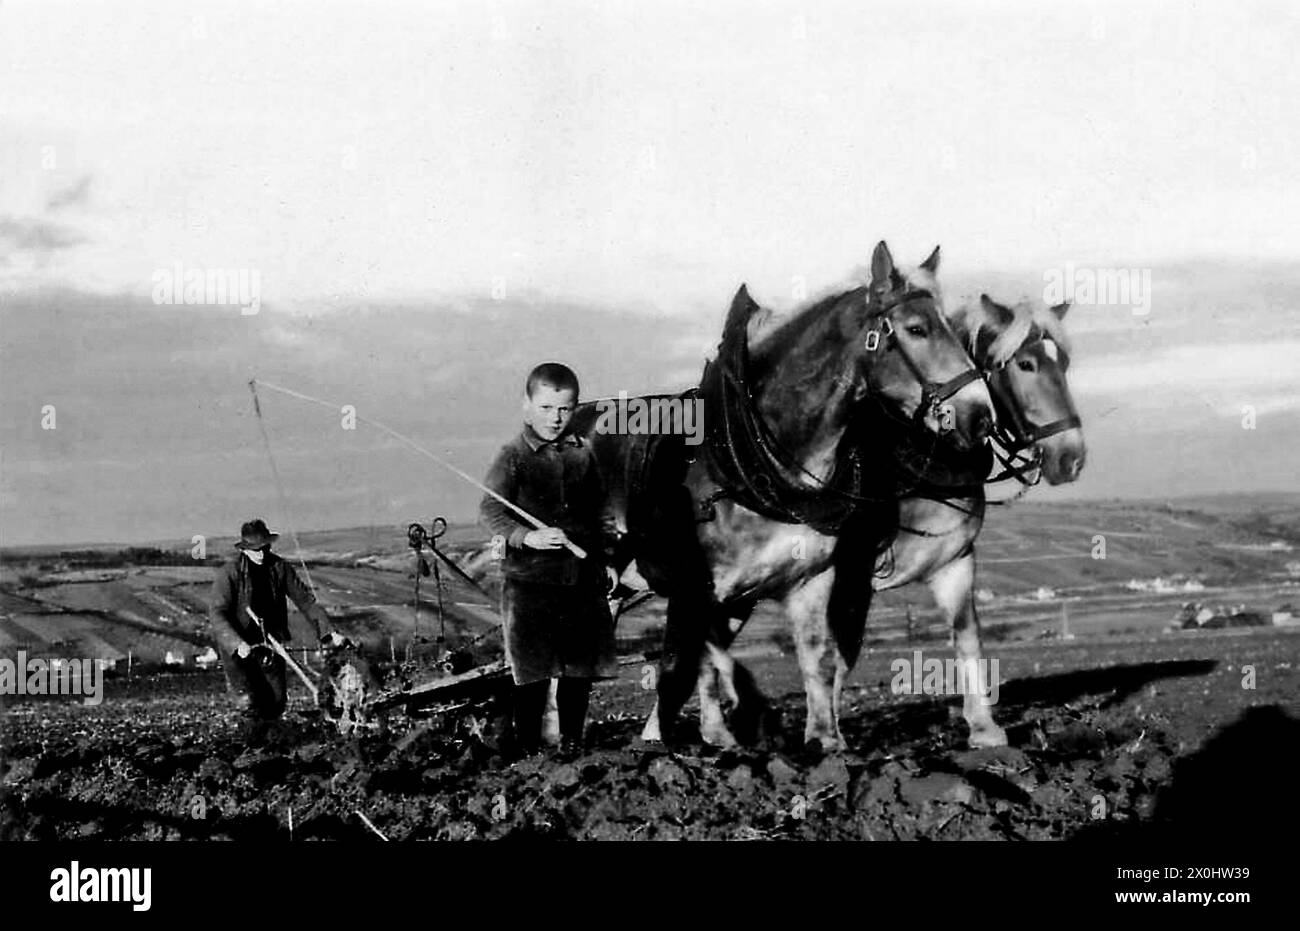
x=749 y=464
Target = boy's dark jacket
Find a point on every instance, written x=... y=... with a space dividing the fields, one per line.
x=557 y=482
x=232 y=592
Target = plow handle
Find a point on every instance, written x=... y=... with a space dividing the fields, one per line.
x=275 y=645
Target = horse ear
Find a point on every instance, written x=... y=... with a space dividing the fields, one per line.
x=1060 y=310
x=742 y=303
x=931 y=264
x=743 y=308
x=995 y=310
x=882 y=265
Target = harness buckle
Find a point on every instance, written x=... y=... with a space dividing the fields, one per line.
x=873 y=338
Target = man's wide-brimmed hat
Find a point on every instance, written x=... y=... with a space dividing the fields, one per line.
x=255 y=535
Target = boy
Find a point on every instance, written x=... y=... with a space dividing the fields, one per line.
x=557 y=621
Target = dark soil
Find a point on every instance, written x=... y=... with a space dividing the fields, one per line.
x=1109 y=739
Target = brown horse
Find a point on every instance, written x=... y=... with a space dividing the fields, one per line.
x=1024 y=353
x=758 y=514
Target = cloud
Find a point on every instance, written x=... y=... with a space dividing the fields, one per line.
x=29 y=245
x=1262 y=406
x=76 y=195
x=1198 y=368
x=36 y=235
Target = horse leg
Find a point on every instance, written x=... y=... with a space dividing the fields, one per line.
x=721 y=677
x=830 y=618
x=651 y=733
x=717 y=671
x=705 y=657
x=750 y=714
x=952 y=587
x=685 y=635
x=819 y=663
x=694 y=616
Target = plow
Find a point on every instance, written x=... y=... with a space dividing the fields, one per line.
x=354 y=697
x=352 y=694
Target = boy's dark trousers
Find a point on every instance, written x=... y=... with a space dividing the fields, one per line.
x=572 y=698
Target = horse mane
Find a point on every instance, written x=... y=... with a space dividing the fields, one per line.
x=768 y=327
x=1007 y=337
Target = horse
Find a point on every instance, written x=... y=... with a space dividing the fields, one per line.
x=1024 y=354
x=756 y=516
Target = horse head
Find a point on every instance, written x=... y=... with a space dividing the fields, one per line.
x=887 y=341
x=913 y=361
x=1025 y=353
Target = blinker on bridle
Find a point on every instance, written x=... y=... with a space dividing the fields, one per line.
x=933 y=394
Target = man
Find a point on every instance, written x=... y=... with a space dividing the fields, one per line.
x=258 y=579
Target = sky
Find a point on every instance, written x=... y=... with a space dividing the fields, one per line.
x=455 y=187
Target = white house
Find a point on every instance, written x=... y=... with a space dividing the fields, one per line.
x=207 y=659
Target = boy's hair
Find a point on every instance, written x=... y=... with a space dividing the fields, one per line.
x=560 y=377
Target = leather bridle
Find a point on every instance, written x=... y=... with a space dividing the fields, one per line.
x=883 y=338
x=1015 y=433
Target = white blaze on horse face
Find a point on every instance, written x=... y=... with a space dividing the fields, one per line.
x=1050 y=349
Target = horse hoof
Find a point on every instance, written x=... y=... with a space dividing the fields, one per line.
x=826 y=743
x=988 y=736
x=650 y=733
x=721 y=738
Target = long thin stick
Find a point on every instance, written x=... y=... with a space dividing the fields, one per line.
x=279 y=487
x=570 y=546
x=371 y=826
x=275 y=645
x=311 y=686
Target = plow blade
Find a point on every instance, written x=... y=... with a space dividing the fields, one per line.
x=480 y=682
x=474 y=685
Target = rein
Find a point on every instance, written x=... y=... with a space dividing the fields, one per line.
x=1013 y=441
x=1015 y=433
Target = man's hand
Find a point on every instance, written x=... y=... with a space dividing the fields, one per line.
x=243 y=650
x=333 y=641
x=547 y=538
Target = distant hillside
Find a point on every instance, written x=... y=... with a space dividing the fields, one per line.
x=1032 y=557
